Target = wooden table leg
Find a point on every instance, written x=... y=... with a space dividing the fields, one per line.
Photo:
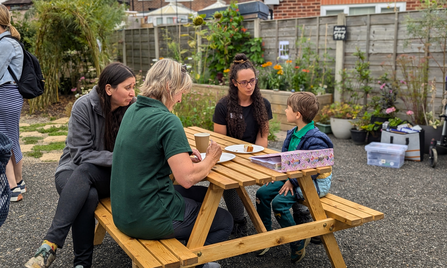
x=316 y=209
x=205 y=217
x=251 y=210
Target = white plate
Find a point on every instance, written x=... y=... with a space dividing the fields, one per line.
x=223 y=158
x=239 y=148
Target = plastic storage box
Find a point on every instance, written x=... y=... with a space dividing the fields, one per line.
x=386 y=154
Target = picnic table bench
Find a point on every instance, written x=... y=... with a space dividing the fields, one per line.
x=330 y=213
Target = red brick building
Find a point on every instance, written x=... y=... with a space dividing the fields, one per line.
x=311 y=8
x=282 y=9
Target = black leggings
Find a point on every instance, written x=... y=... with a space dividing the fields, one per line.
x=222 y=224
x=80 y=191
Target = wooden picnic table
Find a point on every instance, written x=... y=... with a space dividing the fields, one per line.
x=239 y=173
x=330 y=213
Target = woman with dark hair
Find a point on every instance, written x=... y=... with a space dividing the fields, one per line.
x=83 y=174
x=242 y=114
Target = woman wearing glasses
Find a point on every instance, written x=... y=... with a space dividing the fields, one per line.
x=242 y=114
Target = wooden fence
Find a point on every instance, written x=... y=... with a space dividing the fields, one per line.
x=383 y=37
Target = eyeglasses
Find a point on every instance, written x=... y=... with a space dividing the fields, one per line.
x=245 y=83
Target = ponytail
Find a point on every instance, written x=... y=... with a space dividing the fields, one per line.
x=14 y=32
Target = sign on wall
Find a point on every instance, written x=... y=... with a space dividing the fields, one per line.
x=340 y=32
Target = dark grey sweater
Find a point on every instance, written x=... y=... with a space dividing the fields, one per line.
x=85 y=139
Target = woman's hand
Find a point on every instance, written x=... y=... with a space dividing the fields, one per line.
x=288 y=186
x=195 y=156
x=214 y=151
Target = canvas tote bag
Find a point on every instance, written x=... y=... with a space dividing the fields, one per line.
x=415 y=142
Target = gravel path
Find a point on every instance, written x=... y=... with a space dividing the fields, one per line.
x=413 y=199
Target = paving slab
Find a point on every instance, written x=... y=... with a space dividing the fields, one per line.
x=63 y=120
x=31 y=134
x=26 y=147
x=50 y=157
x=52 y=125
x=24 y=125
x=50 y=139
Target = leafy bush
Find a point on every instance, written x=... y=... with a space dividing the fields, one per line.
x=197 y=109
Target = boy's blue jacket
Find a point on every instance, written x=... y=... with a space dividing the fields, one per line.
x=313 y=140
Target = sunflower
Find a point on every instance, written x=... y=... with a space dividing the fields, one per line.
x=218 y=15
x=198 y=21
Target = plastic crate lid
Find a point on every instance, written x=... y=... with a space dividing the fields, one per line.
x=388 y=148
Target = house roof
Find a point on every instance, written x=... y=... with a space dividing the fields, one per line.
x=172 y=9
x=17 y=2
x=218 y=4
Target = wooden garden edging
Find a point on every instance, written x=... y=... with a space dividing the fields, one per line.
x=278 y=100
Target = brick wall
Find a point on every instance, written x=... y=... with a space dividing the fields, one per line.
x=310 y=8
x=296 y=8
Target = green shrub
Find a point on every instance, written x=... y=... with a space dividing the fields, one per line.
x=197 y=109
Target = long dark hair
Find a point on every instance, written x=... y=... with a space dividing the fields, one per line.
x=113 y=74
x=235 y=123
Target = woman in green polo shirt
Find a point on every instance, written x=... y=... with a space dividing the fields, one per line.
x=151 y=144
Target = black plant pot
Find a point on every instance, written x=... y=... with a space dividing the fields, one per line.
x=375 y=136
x=378 y=119
x=358 y=136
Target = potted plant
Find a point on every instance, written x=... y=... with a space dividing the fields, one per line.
x=324 y=120
x=341 y=114
x=384 y=104
x=358 y=132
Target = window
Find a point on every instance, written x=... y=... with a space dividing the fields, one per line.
x=334 y=12
x=170 y=20
x=284 y=50
x=361 y=8
x=159 y=20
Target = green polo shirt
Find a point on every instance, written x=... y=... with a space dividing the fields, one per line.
x=297 y=135
x=144 y=201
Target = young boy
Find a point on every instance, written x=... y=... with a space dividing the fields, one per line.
x=301 y=110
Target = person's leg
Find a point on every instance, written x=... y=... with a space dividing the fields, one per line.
x=83 y=231
x=220 y=228
x=76 y=198
x=236 y=208
x=264 y=197
x=196 y=193
x=73 y=197
x=17 y=168
x=18 y=173
x=281 y=208
x=16 y=192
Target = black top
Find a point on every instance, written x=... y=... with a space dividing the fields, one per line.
x=251 y=126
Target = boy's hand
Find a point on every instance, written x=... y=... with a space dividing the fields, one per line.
x=288 y=186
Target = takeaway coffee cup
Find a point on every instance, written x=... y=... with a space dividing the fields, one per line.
x=202 y=141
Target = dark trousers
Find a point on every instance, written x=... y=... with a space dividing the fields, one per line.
x=80 y=191
x=222 y=223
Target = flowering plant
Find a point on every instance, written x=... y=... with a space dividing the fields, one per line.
x=300 y=79
x=276 y=78
x=414 y=85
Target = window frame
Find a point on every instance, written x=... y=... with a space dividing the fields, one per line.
x=378 y=6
